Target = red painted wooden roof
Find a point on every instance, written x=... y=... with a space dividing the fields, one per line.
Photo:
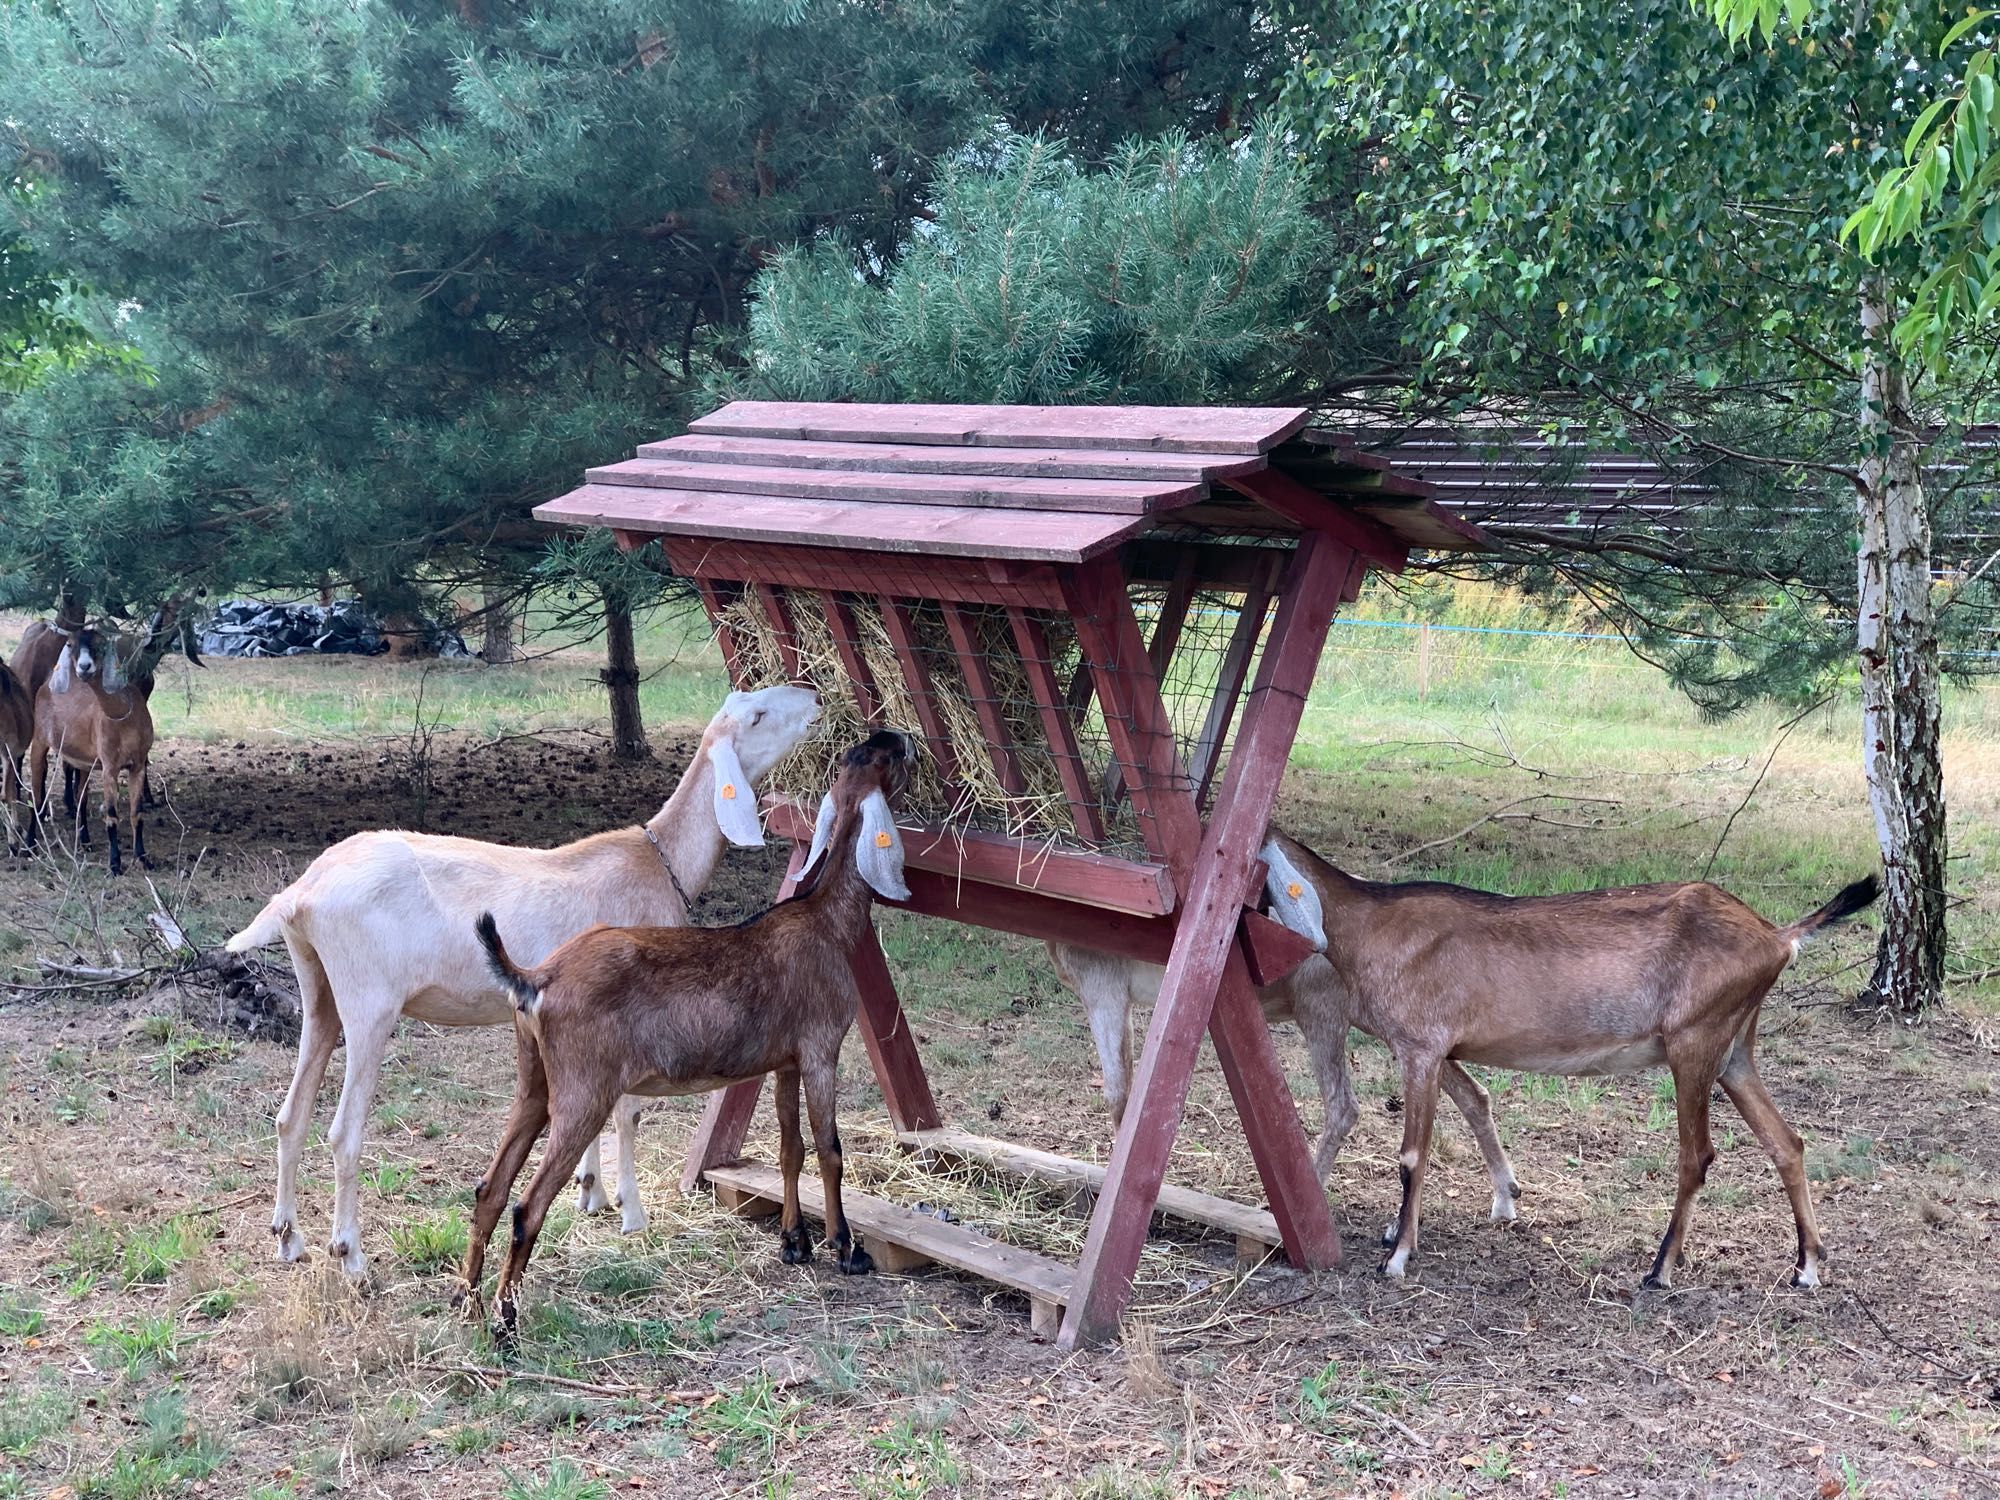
x=1036 y=483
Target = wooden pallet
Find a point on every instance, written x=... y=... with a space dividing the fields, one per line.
x=900 y=1239
x=1255 y=1229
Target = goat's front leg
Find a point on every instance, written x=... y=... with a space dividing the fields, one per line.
x=1477 y=1106
x=631 y=1206
x=111 y=823
x=1420 y=1091
x=821 y=1081
x=797 y=1238
x=1693 y=1078
x=134 y=792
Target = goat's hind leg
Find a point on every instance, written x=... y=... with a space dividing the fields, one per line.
x=319 y=1030
x=1420 y=1091
x=591 y=1197
x=631 y=1207
x=1753 y=1101
x=1477 y=1106
x=568 y=1136
x=821 y=1085
x=525 y=1120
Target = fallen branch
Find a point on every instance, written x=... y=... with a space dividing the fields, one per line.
x=1504 y=813
x=499 y=1376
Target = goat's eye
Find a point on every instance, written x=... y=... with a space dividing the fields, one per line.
x=757 y=718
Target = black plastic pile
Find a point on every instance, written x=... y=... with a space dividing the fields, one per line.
x=250 y=627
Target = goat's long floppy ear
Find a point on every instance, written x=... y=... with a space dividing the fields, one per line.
x=734 y=797
x=64 y=669
x=111 y=668
x=1294 y=899
x=878 y=851
x=822 y=831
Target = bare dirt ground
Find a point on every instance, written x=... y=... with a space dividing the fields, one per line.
x=149 y=1344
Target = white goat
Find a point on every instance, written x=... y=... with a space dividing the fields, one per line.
x=1111 y=986
x=381 y=927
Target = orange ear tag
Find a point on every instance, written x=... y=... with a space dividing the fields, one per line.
x=728 y=791
x=883 y=841
x=1295 y=890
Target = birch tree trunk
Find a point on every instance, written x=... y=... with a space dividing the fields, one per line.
x=621 y=676
x=1897 y=642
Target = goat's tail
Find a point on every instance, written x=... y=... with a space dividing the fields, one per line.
x=1851 y=899
x=513 y=980
x=266 y=928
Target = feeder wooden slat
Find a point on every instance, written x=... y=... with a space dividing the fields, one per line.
x=1099 y=880
x=972 y=581
x=978 y=671
x=933 y=530
x=1118 y=497
x=1255 y=1231
x=1057 y=725
x=847 y=642
x=1229 y=677
x=1232 y=430
x=1045 y=1282
x=715 y=603
x=909 y=458
x=783 y=627
x=902 y=629
x=1308 y=507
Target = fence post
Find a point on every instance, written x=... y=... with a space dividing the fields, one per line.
x=1423 y=660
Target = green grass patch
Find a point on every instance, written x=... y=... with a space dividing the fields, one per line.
x=562 y=1480
x=434 y=1244
x=139 y=1345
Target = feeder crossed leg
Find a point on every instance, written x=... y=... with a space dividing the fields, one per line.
x=718 y=1139
x=1207 y=984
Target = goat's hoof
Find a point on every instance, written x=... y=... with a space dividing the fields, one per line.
x=592 y=1199
x=352 y=1261
x=857 y=1262
x=1503 y=1211
x=798 y=1248
x=1806 y=1279
x=291 y=1247
x=1653 y=1282
x=632 y=1220
x=1393 y=1267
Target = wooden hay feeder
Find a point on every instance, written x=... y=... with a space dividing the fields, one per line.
x=1067 y=605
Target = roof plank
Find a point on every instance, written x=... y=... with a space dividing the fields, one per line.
x=871 y=526
x=1169 y=429
x=1109 y=496
x=930 y=458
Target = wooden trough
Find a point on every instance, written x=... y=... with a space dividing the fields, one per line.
x=1008 y=554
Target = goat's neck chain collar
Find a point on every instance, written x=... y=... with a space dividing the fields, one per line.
x=687 y=904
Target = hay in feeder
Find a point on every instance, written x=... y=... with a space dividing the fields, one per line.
x=975 y=796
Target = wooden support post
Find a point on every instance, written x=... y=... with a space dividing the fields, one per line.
x=1167 y=629
x=1207 y=983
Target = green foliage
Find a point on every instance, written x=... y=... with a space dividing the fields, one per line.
x=1178 y=273
x=1945 y=196
x=437 y=1244
x=1611 y=229
x=400 y=273
x=562 y=1480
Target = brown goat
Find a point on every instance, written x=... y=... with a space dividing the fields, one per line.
x=17 y=729
x=1606 y=981
x=33 y=661
x=91 y=715
x=678 y=1010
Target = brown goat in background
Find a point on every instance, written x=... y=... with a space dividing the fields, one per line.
x=678 y=1010
x=17 y=729
x=92 y=715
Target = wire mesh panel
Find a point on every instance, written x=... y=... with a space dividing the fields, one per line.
x=1000 y=696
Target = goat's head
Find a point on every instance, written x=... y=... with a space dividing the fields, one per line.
x=1290 y=897
x=752 y=733
x=89 y=654
x=872 y=776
